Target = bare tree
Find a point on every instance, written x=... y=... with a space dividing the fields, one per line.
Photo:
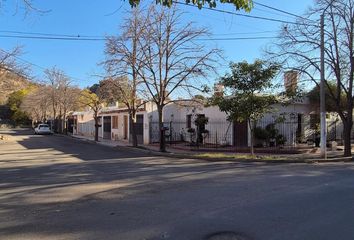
x=173 y=58
x=68 y=102
x=9 y=62
x=26 y=5
x=52 y=76
x=63 y=96
x=37 y=104
x=299 y=49
x=14 y=75
x=122 y=65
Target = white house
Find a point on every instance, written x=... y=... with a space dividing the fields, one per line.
x=114 y=123
x=180 y=116
x=295 y=122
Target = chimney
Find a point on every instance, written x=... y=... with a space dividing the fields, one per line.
x=290 y=81
x=218 y=90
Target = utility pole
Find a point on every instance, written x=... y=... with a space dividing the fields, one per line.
x=322 y=95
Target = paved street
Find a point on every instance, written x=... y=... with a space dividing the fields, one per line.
x=54 y=187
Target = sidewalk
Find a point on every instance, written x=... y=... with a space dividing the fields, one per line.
x=112 y=143
x=101 y=141
x=308 y=157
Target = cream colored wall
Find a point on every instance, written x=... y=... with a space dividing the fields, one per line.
x=118 y=133
x=220 y=129
x=86 y=124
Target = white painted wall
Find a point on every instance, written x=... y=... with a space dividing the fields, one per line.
x=219 y=128
x=86 y=124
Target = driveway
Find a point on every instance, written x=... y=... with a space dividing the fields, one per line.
x=54 y=187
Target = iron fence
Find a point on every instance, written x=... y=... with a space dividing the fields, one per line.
x=269 y=135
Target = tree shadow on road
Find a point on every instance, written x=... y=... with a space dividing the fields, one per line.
x=58 y=188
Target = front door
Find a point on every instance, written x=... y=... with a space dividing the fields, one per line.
x=107 y=128
x=240 y=134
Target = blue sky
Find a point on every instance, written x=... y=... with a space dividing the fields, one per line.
x=99 y=18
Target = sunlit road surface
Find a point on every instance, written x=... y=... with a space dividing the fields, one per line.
x=54 y=187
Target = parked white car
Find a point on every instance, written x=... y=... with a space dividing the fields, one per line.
x=42 y=129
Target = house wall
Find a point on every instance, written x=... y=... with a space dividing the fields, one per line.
x=117 y=134
x=220 y=130
x=289 y=125
x=175 y=118
x=86 y=124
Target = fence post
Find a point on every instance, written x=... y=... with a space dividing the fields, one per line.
x=216 y=139
x=170 y=133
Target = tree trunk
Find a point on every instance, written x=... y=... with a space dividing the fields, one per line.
x=347 y=129
x=252 y=136
x=96 y=128
x=133 y=129
x=60 y=118
x=162 y=131
x=64 y=124
x=54 y=127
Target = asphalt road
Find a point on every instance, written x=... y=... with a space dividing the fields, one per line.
x=54 y=187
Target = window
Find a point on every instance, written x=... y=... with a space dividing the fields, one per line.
x=189 y=121
x=114 y=122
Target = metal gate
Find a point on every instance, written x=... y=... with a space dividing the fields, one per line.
x=139 y=129
x=107 y=127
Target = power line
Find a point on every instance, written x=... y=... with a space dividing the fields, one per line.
x=23 y=60
x=244 y=33
x=78 y=37
x=236 y=38
x=103 y=39
x=53 y=38
x=244 y=15
x=269 y=11
x=48 y=34
x=36 y=65
x=282 y=11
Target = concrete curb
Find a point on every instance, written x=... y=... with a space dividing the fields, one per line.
x=188 y=156
x=185 y=156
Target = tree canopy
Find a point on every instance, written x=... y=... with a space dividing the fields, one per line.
x=246 y=86
x=331 y=105
x=91 y=100
x=14 y=102
x=95 y=103
x=239 y=4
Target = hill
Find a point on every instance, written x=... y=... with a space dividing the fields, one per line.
x=9 y=83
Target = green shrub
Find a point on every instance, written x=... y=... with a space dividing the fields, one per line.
x=261 y=133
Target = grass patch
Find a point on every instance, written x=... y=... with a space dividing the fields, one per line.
x=237 y=156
